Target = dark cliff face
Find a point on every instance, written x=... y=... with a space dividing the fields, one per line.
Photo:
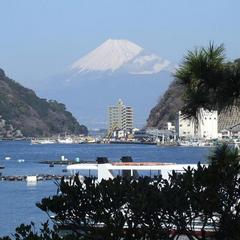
x=21 y=109
x=168 y=106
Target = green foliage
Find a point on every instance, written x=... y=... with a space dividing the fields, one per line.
x=55 y=106
x=28 y=232
x=113 y=209
x=210 y=82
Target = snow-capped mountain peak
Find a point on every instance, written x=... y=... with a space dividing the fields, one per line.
x=109 y=56
x=120 y=56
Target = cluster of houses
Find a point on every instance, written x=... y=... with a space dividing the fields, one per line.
x=204 y=126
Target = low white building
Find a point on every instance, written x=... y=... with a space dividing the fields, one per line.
x=169 y=126
x=118 y=134
x=185 y=127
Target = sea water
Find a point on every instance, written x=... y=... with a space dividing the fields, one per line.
x=17 y=199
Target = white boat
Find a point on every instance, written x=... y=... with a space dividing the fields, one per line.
x=106 y=170
x=194 y=143
x=65 y=140
x=42 y=141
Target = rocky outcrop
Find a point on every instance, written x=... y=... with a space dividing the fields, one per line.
x=168 y=106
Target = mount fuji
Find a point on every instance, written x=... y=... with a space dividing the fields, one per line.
x=117 y=55
x=116 y=69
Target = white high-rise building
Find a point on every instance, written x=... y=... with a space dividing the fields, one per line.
x=120 y=117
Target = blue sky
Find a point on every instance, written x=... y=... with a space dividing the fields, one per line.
x=41 y=38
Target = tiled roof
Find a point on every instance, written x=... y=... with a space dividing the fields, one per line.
x=229 y=118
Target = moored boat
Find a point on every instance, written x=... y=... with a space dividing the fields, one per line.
x=42 y=141
x=107 y=169
x=65 y=140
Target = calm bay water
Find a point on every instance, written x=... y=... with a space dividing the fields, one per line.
x=17 y=199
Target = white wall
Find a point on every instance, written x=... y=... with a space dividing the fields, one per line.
x=205 y=127
x=185 y=127
x=207 y=124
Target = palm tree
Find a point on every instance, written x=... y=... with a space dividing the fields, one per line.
x=209 y=81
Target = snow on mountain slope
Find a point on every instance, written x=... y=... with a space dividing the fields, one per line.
x=120 y=55
x=111 y=55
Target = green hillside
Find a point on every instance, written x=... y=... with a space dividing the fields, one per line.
x=24 y=113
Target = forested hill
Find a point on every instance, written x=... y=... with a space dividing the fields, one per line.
x=22 y=112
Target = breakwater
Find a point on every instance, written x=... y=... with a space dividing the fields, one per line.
x=65 y=162
x=41 y=177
